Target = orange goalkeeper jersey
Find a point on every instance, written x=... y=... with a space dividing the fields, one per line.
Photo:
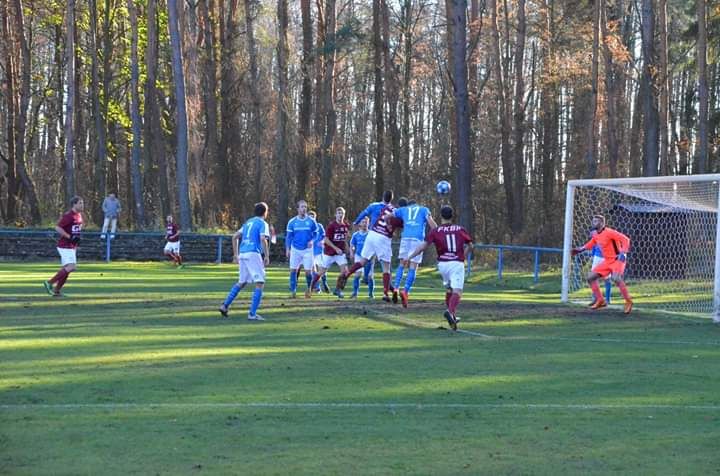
x=610 y=241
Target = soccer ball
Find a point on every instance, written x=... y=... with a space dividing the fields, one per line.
x=443 y=187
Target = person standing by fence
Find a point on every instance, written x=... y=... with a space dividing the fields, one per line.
x=111 y=209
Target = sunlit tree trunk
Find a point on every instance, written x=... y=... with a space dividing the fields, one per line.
x=135 y=173
x=281 y=148
x=701 y=160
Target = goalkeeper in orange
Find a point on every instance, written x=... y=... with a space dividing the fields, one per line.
x=614 y=246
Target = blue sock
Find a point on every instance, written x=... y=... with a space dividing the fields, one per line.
x=371 y=286
x=356 y=284
x=366 y=272
x=399 y=275
x=608 y=290
x=232 y=295
x=324 y=279
x=293 y=281
x=410 y=279
x=317 y=285
x=255 y=304
x=308 y=279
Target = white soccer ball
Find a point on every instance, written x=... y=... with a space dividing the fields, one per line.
x=443 y=187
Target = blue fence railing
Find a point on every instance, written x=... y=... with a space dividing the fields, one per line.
x=537 y=252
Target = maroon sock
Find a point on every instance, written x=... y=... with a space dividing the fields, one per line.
x=58 y=276
x=454 y=301
x=448 y=295
x=386 y=282
x=316 y=278
x=61 y=282
x=357 y=265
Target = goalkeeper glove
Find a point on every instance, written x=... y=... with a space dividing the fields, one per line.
x=577 y=250
x=75 y=239
x=621 y=257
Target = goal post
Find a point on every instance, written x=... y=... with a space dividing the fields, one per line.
x=672 y=222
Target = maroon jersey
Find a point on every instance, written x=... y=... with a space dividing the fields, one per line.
x=337 y=233
x=72 y=223
x=449 y=241
x=386 y=223
x=171 y=231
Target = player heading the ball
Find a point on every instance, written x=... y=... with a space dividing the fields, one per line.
x=614 y=246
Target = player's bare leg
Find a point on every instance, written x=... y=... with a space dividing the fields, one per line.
x=342 y=279
x=617 y=279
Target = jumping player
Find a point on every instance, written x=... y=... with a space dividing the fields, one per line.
x=452 y=243
x=415 y=218
x=356 y=245
x=318 y=253
x=378 y=244
x=335 y=242
x=299 y=237
x=68 y=228
x=172 y=235
x=614 y=246
x=373 y=210
x=252 y=256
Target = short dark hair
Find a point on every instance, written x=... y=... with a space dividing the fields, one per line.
x=446 y=212
x=412 y=202
x=388 y=196
x=74 y=200
x=402 y=202
x=260 y=209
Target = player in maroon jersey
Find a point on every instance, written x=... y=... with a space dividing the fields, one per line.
x=335 y=241
x=378 y=243
x=452 y=243
x=68 y=228
x=172 y=235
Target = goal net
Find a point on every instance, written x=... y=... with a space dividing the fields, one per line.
x=672 y=223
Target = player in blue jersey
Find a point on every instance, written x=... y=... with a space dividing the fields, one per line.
x=373 y=210
x=317 y=254
x=356 y=245
x=415 y=219
x=299 y=238
x=252 y=253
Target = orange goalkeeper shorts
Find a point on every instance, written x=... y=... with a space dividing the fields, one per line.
x=608 y=267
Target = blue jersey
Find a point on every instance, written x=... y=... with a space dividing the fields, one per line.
x=358 y=241
x=252 y=232
x=596 y=251
x=373 y=211
x=414 y=219
x=300 y=232
x=318 y=242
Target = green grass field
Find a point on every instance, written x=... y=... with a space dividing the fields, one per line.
x=134 y=373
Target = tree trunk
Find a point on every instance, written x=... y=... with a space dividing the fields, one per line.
x=13 y=182
x=701 y=160
x=549 y=114
x=458 y=23
x=591 y=152
x=99 y=119
x=519 y=119
x=649 y=104
x=392 y=100
x=378 y=102
x=229 y=106
x=181 y=153
x=281 y=150
x=255 y=118
x=612 y=78
x=211 y=157
x=69 y=109
x=663 y=77
x=327 y=152
x=137 y=185
x=305 y=117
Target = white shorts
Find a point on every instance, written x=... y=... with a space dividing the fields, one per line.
x=328 y=260
x=172 y=247
x=301 y=257
x=596 y=261
x=251 y=268
x=452 y=273
x=407 y=246
x=318 y=260
x=377 y=245
x=67 y=256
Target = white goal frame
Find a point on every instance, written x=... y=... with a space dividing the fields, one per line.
x=572 y=185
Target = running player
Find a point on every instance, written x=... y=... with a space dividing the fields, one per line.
x=317 y=254
x=68 y=228
x=172 y=235
x=356 y=245
x=415 y=218
x=299 y=237
x=251 y=252
x=452 y=243
x=614 y=246
x=335 y=242
x=378 y=244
